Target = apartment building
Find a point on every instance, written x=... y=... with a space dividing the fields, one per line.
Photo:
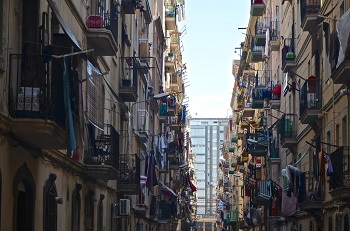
x=290 y=129
x=207 y=137
x=92 y=120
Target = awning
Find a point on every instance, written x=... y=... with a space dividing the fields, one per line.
x=167 y=191
x=64 y=26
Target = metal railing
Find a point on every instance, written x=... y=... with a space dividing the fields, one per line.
x=105 y=20
x=274 y=30
x=105 y=150
x=310 y=95
x=262 y=25
x=288 y=129
x=309 y=7
x=288 y=46
x=129 y=174
x=36 y=87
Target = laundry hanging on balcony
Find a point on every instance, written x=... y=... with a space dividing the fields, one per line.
x=277 y=90
x=143 y=180
x=161 y=145
x=167 y=191
x=151 y=170
x=343 y=30
x=192 y=186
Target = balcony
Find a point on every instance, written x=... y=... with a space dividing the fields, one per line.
x=275 y=38
x=129 y=6
x=259 y=146
x=261 y=26
x=172 y=106
x=173 y=123
x=339 y=180
x=257 y=7
x=263 y=192
x=102 y=34
x=101 y=161
x=129 y=178
x=256 y=54
x=175 y=41
x=142 y=204
x=309 y=13
x=163 y=112
x=127 y=88
x=274 y=157
x=170 y=18
x=144 y=48
x=175 y=82
x=275 y=101
x=288 y=131
x=341 y=74
x=170 y=63
x=258 y=150
x=310 y=100
x=288 y=55
x=308 y=203
x=142 y=126
x=260 y=95
x=36 y=105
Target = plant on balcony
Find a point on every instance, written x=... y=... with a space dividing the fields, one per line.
x=290 y=55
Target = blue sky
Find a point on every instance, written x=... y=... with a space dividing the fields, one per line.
x=209 y=44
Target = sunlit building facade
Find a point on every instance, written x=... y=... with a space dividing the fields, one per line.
x=207 y=135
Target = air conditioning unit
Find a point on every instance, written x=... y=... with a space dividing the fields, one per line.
x=124 y=207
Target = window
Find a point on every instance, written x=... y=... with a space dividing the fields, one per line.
x=346 y=222
x=0 y=196
x=76 y=205
x=95 y=96
x=89 y=211
x=139 y=226
x=100 y=213
x=337 y=134
x=344 y=134
x=330 y=224
x=50 y=204
x=328 y=137
x=24 y=200
x=311 y=226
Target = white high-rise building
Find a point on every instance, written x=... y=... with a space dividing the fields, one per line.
x=207 y=135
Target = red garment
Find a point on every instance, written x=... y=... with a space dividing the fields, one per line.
x=277 y=90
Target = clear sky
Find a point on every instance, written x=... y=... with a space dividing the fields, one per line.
x=209 y=44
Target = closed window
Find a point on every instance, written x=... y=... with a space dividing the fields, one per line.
x=89 y=211
x=76 y=205
x=100 y=213
x=330 y=224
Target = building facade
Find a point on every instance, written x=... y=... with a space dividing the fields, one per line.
x=290 y=129
x=207 y=136
x=92 y=120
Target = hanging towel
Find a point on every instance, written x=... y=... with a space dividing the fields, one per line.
x=179 y=13
x=267 y=42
